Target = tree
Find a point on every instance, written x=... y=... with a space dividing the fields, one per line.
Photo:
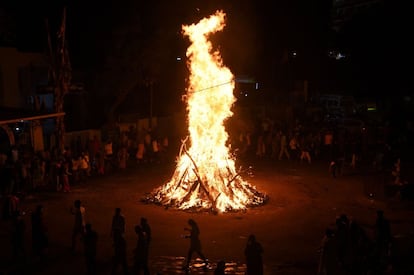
x=135 y=54
x=7 y=28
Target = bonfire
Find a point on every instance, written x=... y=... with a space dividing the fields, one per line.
x=205 y=177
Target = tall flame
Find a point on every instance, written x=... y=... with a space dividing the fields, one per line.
x=205 y=176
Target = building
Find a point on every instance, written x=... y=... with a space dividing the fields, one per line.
x=23 y=113
x=20 y=74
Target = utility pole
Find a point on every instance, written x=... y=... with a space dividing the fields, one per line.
x=61 y=74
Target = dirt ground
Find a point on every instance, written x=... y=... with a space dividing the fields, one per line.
x=304 y=200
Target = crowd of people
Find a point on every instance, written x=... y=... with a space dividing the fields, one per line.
x=85 y=238
x=349 y=249
x=24 y=171
x=345 y=249
x=304 y=143
x=83 y=235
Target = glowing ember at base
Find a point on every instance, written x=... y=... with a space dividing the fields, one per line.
x=205 y=176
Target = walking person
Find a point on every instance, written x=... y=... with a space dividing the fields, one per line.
x=253 y=253
x=40 y=239
x=90 y=241
x=79 y=223
x=195 y=243
x=141 y=252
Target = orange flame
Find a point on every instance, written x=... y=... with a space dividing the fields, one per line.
x=205 y=176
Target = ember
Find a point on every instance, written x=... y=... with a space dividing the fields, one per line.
x=205 y=176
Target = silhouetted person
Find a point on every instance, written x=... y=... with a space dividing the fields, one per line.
x=328 y=254
x=120 y=254
x=195 y=243
x=146 y=229
x=382 y=228
x=382 y=240
x=342 y=235
x=40 y=239
x=253 y=253
x=118 y=223
x=334 y=168
x=11 y=206
x=90 y=241
x=141 y=252
x=221 y=267
x=79 y=223
x=359 y=245
x=17 y=238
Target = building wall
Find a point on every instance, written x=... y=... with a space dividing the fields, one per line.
x=20 y=72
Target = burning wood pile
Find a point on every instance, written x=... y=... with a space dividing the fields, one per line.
x=205 y=177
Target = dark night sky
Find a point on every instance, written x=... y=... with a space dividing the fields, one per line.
x=285 y=23
x=257 y=33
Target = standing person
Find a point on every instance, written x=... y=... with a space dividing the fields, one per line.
x=141 y=252
x=66 y=174
x=122 y=157
x=383 y=238
x=294 y=147
x=75 y=169
x=140 y=152
x=100 y=163
x=328 y=262
x=79 y=223
x=11 y=206
x=90 y=241
x=221 y=268
x=94 y=147
x=305 y=148
x=333 y=168
x=84 y=167
x=120 y=254
x=146 y=229
x=283 y=146
x=342 y=239
x=118 y=223
x=148 y=146
x=108 y=160
x=40 y=239
x=328 y=144
x=17 y=238
x=195 y=243
x=253 y=253
x=58 y=174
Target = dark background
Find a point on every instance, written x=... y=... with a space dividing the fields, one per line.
x=115 y=43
